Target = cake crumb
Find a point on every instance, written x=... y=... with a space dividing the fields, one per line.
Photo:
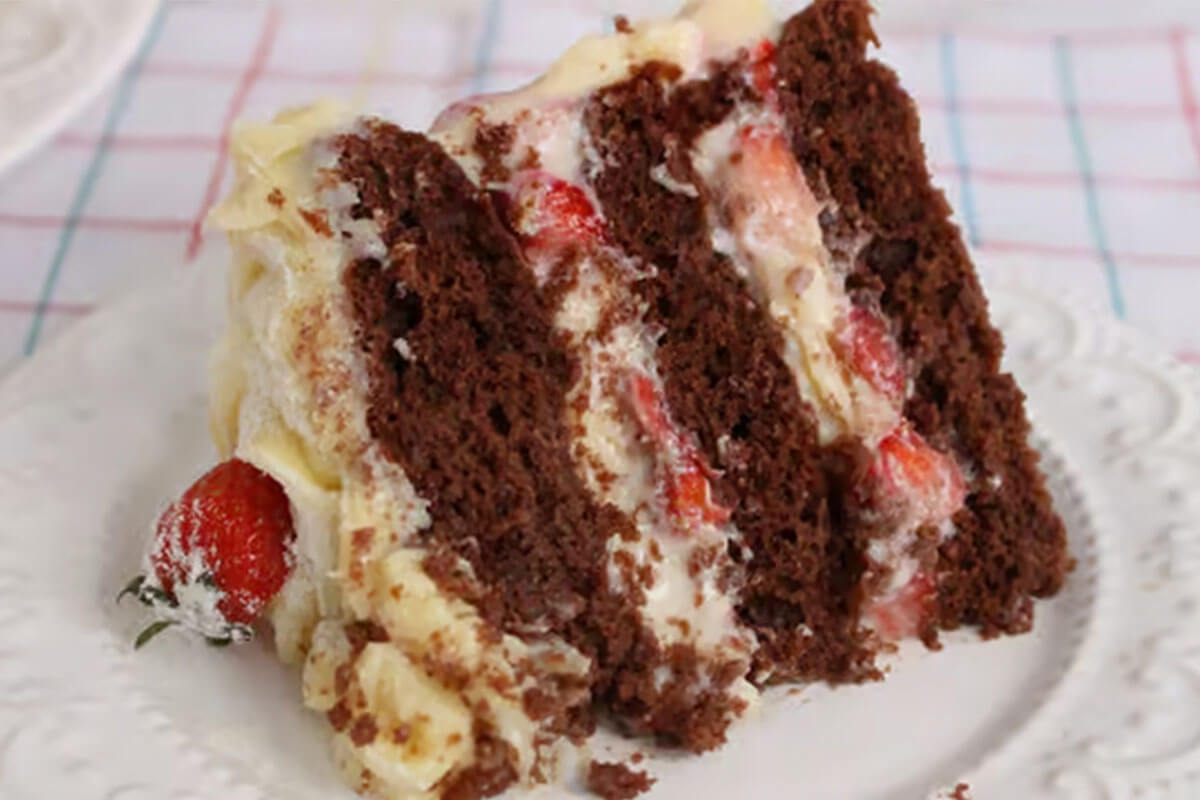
x=276 y=197
x=615 y=781
x=492 y=144
x=622 y=25
x=317 y=221
x=364 y=730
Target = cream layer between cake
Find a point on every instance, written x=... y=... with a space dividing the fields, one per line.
x=289 y=395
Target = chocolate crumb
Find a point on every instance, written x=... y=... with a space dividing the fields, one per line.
x=364 y=730
x=363 y=632
x=616 y=781
x=339 y=716
x=492 y=143
x=491 y=773
x=276 y=197
x=317 y=220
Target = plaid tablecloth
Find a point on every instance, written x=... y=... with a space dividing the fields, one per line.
x=1070 y=149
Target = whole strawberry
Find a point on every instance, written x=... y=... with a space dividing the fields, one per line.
x=220 y=553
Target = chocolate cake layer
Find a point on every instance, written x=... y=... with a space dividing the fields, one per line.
x=856 y=133
x=473 y=410
x=726 y=381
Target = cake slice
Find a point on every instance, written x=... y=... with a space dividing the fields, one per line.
x=627 y=393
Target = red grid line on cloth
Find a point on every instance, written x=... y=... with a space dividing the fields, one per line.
x=250 y=76
x=25 y=307
x=1089 y=253
x=1189 y=356
x=1014 y=106
x=149 y=225
x=1098 y=37
x=1095 y=36
x=992 y=105
x=78 y=140
x=98 y=222
x=989 y=175
x=137 y=142
x=217 y=72
x=1187 y=92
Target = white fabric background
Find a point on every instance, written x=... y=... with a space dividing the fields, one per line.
x=1066 y=134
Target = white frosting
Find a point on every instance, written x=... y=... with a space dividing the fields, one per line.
x=289 y=395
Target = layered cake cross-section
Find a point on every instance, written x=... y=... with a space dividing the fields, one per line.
x=622 y=395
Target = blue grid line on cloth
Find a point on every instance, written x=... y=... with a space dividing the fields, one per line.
x=958 y=144
x=1066 y=82
x=87 y=182
x=486 y=46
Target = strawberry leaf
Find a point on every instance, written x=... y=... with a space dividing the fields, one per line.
x=134 y=587
x=152 y=630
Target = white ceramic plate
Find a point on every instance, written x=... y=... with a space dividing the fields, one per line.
x=55 y=56
x=1101 y=701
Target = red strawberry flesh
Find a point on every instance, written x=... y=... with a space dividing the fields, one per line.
x=684 y=474
x=873 y=353
x=904 y=614
x=762 y=67
x=553 y=213
x=927 y=479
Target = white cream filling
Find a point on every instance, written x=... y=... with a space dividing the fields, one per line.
x=782 y=257
x=620 y=467
x=289 y=395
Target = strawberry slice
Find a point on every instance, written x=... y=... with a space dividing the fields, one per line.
x=909 y=467
x=762 y=68
x=553 y=213
x=648 y=407
x=904 y=613
x=873 y=354
x=684 y=474
x=220 y=553
x=689 y=497
x=769 y=188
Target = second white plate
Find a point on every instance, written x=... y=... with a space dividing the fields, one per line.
x=55 y=56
